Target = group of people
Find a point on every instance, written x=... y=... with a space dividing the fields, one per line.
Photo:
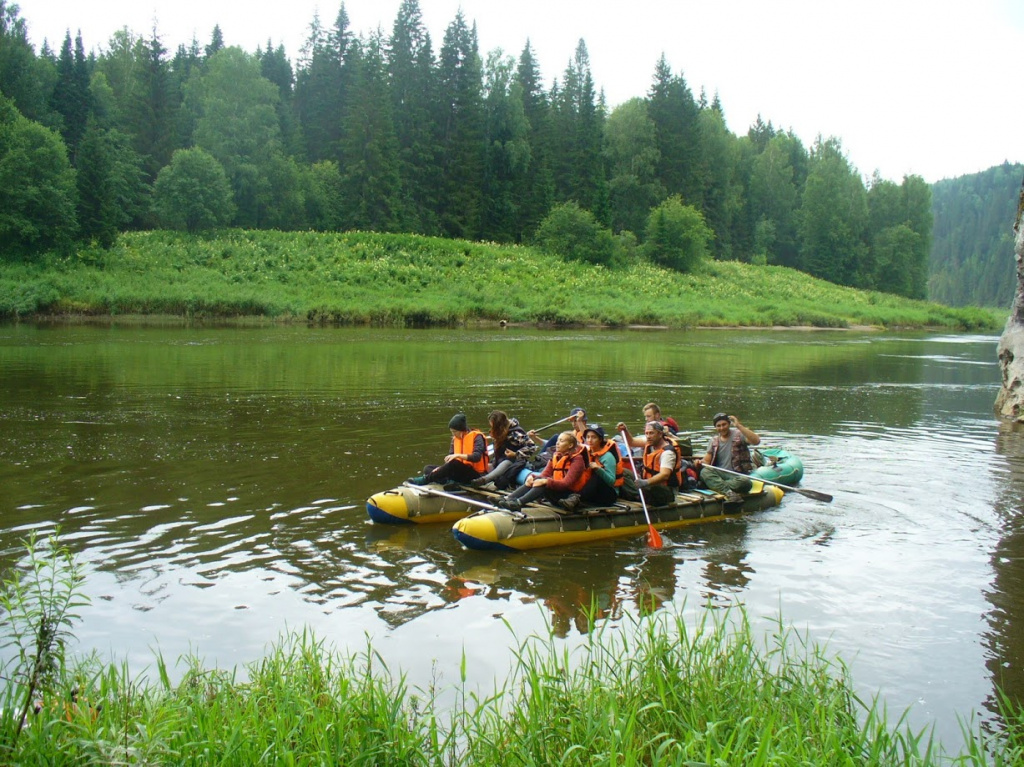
x=584 y=466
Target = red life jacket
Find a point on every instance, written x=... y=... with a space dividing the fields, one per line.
x=465 y=444
x=620 y=464
x=560 y=469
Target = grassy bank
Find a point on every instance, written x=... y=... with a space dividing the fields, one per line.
x=669 y=695
x=366 y=278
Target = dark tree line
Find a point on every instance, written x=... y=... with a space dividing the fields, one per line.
x=385 y=132
x=972 y=260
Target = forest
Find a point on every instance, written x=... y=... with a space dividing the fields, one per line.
x=972 y=260
x=384 y=132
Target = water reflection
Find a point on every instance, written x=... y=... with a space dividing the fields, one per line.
x=1005 y=635
x=597 y=582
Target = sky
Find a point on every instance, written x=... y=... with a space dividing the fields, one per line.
x=926 y=87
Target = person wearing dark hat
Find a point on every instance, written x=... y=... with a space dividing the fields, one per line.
x=466 y=460
x=607 y=471
x=729 y=449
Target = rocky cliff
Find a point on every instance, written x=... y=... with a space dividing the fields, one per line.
x=1010 y=402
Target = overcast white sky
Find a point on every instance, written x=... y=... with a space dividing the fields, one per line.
x=930 y=87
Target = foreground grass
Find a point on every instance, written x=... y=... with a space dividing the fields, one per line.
x=661 y=693
x=393 y=279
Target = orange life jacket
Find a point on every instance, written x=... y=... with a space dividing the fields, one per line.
x=465 y=445
x=620 y=464
x=560 y=468
x=652 y=462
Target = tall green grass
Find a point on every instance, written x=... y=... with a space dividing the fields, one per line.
x=655 y=691
x=395 y=279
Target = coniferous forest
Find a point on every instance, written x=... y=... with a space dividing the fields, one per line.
x=972 y=261
x=393 y=132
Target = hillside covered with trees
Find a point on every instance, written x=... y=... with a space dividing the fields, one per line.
x=386 y=132
x=971 y=261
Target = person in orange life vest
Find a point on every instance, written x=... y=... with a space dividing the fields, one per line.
x=512 y=447
x=660 y=464
x=606 y=466
x=653 y=413
x=729 y=449
x=466 y=460
x=566 y=473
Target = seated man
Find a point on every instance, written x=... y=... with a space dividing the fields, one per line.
x=729 y=449
x=660 y=463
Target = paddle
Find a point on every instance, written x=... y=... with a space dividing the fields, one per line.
x=809 y=493
x=443 y=494
x=653 y=537
x=555 y=423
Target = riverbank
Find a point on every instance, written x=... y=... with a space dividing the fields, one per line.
x=408 y=280
x=656 y=692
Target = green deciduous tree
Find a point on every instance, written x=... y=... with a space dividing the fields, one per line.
x=773 y=201
x=324 y=196
x=508 y=150
x=193 y=192
x=574 y=234
x=833 y=216
x=631 y=151
x=37 y=186
x=235 y=110
x=677 y=236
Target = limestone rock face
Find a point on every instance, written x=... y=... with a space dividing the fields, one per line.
x=1010 y=401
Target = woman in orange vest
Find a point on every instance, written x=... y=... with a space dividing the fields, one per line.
x=466 y=460
x=607 y=469
x=566 y=473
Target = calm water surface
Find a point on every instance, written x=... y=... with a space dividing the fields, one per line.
x=214 y=481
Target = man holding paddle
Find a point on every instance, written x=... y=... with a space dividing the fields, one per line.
x=729 y=450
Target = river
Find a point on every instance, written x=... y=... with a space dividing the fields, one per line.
x=213 y=482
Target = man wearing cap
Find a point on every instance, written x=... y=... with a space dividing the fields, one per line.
x=660 y=464
x=466 y=460
x=729 y=449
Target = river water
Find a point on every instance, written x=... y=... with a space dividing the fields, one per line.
x=213 y=481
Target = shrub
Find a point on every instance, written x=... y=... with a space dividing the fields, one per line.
x=574 y=234
x=677 y=236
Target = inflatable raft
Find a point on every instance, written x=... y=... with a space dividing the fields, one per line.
x=427 y=504
x=540 y=525
x=779 y=466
